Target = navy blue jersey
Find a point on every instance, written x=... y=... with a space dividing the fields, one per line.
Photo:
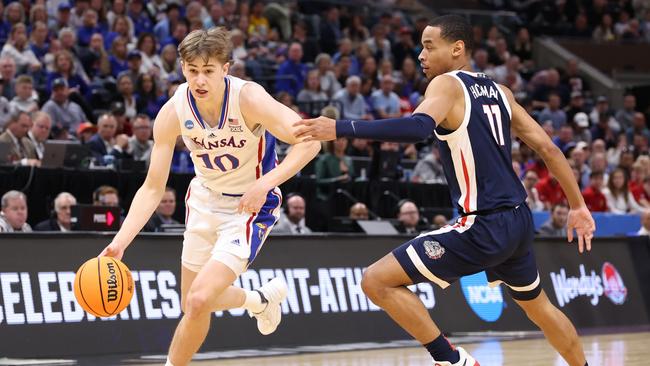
x=476 y=157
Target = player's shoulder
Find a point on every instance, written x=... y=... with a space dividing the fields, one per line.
x=167 y=119
x=251 y=94
x=443 y=84
x=509 y=95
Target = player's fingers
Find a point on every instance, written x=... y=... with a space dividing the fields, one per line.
x=580 y=243
x=240 y=208
x=569 y=233
x=302 y=122
x=302 y=132
x=588 y=238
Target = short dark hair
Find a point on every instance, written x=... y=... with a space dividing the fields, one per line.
x=561 y=205
x=455 y=28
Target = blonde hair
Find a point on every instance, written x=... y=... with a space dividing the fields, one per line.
x=214 y=42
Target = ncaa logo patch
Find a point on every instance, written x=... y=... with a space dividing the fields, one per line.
x=433 y=249
x=485 y=301
x=615 y=289
x=189 y=124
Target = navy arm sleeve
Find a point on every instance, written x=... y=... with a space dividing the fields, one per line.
x=415 y=128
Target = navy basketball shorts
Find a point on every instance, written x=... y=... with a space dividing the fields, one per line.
x=499 y=243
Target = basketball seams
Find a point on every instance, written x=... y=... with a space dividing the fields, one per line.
x=80 y=277
x=99 y=280
x=119 y=269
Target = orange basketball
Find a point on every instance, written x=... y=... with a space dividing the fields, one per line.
x=103 y=286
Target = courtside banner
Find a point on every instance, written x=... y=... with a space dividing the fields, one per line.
x=39 y=315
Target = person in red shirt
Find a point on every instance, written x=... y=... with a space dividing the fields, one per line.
x=594 y=198
x=637 y=176
x=550 y=192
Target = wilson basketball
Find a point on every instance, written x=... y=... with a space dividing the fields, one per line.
x=103 y=286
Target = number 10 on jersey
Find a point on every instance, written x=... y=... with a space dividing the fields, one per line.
x=493 y=113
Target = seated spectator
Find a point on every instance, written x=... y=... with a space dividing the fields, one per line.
x=26 y=99
x=22 y=152
x=140 y=144
x=151 y=62
x=408 y=216
x=334 y=165
x=637 y=177
x=359 y=211
x=556 y=224
x=8 y=77
x=88 y=28
x=181 y=160
x=86 y=131
x=619 y=199
x=645 y=224
x=550 y=192
x=384 y=100
x=60 y=220
x=439 y=221
x=95 y=59
x=553 y=112
x=148 y=96
x=164 y=212
x=639 y=127
x=106 y=196
x=292 y=220
x=359 y=147
x=311 y=98
x=533 y=201
x=328 y=83
x=564 y=138
x=39 y=42
x=40 y=132
x=104 y=142
x=594 y=197
x=126 y=96
x=292 y=72
x=118 y=56
x=429 y=169
x=65 y=113
x=351 y=100
x=64 y=69
x=625 y=115
x=122 y=27
x=171 y=67
x=13 y=213
x=18 y=48
x=581 y=127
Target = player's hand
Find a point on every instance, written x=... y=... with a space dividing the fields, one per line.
x=254 y=198
x=315 y=129
x=580 y=220
x=112 y=250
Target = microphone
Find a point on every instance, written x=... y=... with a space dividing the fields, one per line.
x=352 y=199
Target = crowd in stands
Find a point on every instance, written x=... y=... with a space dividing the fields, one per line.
x=97 y=73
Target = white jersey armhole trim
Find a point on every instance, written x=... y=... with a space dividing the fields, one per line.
x=505 y=100
x=468 y=112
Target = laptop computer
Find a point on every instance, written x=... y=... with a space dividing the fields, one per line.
x=95 y=218
x=53 y=154
x=377 y=227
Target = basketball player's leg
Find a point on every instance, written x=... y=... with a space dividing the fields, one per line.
x=385 y=282
x=190 y=333
x=557 y=328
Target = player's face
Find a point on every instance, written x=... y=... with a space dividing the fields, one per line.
x=205 y=78
x=437 y=54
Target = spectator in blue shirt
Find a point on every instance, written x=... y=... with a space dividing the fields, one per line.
x=553 y=112
x=163 y=28
x=384 y=100
x=352 y=102
x=292 y=72
x=64 y=68
x=141 y=21
x=118 y=57
x=179 y=32
x=88 y=28
x=38 y=40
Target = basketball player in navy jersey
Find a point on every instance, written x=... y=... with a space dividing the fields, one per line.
x=472 y=117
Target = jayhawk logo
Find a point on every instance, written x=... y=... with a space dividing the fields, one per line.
x=261 y=230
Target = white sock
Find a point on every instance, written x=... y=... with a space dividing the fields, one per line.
x=253 y=302
x=169 y=363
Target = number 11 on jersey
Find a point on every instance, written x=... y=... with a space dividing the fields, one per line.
x=493 y=113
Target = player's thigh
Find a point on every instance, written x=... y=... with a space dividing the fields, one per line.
x=387 y=272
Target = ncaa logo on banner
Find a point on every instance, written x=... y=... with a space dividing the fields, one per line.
x=485 y=301
x=615 y=289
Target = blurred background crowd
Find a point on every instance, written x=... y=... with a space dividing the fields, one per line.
x=94 y=73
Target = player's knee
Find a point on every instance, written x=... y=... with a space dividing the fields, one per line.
x=196 y=305
x=371 y=285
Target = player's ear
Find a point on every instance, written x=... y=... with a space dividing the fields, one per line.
x=226 y=67
x=458 y=48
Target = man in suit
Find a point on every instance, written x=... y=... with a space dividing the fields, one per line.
x=292 y=220
x=40 y=132
x=22 y=151
x=104 y=142
x=62 y=210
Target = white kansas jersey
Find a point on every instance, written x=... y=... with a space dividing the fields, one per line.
x=227 y=158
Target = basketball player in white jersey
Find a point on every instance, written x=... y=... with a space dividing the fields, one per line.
x=229 y=125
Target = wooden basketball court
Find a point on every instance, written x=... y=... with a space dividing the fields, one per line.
x=629 y=349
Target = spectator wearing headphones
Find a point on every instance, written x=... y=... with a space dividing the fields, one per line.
x=60 y=220
x=292 y=219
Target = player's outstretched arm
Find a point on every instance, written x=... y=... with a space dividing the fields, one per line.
x=530 y=132
x=257 y=105
x=148 y=197
x=438 y=100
